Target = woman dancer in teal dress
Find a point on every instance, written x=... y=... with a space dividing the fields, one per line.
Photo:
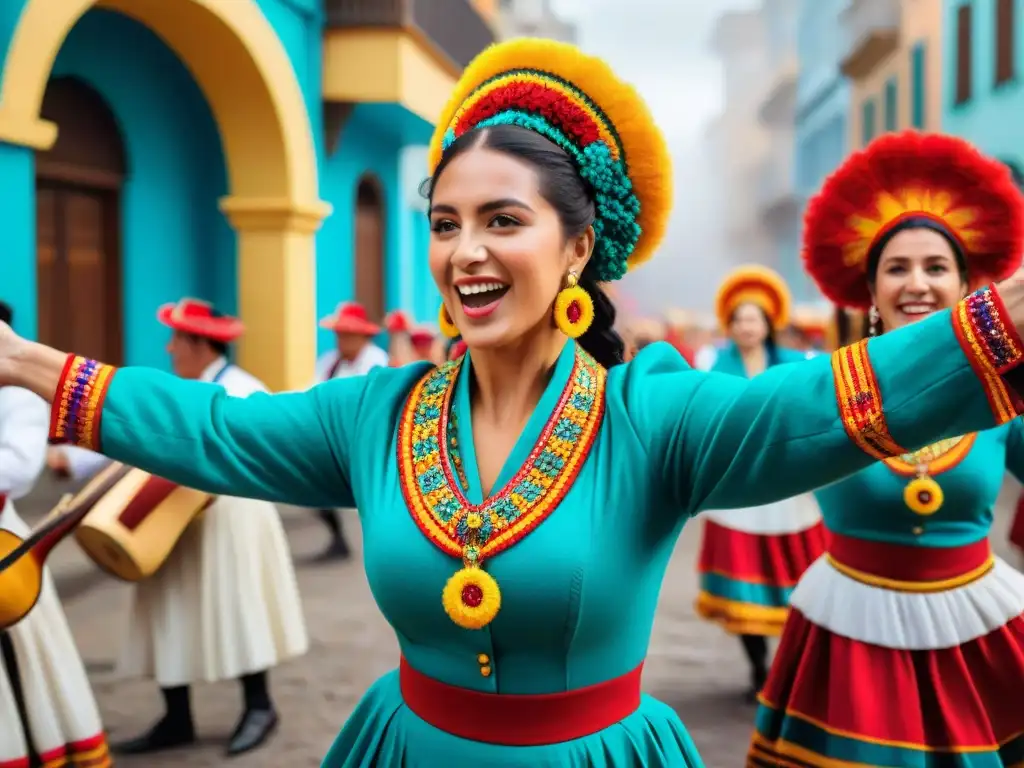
x=750 y=559
x=916 y=627
x=519 y=505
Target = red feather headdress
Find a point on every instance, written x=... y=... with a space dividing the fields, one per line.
x=908 y=175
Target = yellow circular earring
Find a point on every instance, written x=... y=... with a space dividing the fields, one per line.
x=574 y=309
x=446 y=324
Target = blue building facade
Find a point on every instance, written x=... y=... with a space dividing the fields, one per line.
x=982 y=94
x=823 y=105
x=258 y=154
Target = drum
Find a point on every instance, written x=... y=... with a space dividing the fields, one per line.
x=132 y=530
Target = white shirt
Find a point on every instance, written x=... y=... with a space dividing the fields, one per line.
x=370 y=356
x=24 y=429
x=706 y=357
x=83 y=463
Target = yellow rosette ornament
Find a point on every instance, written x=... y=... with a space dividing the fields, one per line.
x=923 y=495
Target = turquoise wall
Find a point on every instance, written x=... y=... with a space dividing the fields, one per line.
x=991 y=118
x=175 y=240
x=371 y=142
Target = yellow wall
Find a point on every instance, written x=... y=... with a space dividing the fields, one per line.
x=921 y=21
x=387 y=66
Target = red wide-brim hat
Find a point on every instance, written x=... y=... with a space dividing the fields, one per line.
x=908 y=175
x=350 y=317
x=198 y=318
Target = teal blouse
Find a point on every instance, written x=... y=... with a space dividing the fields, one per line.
x=730 y=361
x=869 y=505
x=579 y=592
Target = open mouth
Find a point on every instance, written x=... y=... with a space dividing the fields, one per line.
x=480 y=299
x=917 y=309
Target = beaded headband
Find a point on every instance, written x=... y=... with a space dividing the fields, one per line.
x=577 y=102
x=907 y=176
x=754 y=284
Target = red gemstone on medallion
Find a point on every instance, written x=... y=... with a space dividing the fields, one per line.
x=472 y=595
x=574 y=312
x=924 y=497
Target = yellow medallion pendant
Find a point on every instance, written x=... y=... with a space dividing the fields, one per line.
x=471 y=597
x=923 y=495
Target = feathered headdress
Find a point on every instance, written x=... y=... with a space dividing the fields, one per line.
x=758 y=285
x=901 y=176
x=577 y=102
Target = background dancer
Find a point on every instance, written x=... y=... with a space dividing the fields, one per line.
x=905 y=642
x=750 y=559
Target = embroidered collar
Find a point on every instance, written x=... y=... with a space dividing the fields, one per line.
x=429 y=463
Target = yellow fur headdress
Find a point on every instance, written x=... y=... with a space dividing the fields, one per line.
x=754 y=284
x=577 y=102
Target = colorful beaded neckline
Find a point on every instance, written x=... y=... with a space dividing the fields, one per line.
x=428 y=462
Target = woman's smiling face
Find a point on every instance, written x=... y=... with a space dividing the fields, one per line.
x=498 y=252
x=917 y=275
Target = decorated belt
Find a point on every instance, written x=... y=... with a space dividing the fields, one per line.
x=517 y=720
x=904 y=568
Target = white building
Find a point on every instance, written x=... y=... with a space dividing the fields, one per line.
x=737 y=140
x=533 y=18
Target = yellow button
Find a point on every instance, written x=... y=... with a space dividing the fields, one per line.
x=917 y=530
x=485 y=671
x=483 y=658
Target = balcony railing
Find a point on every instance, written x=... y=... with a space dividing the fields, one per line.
x=872 y=30
x=455 y=27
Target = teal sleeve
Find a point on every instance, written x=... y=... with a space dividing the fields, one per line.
x=1015 y=448
x=721 y=442
x=291 y=447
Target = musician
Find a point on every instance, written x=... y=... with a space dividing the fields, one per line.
x=355 y=354
x=226 y=604
x=48 y=715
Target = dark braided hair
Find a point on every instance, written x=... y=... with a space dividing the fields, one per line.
x=565 y=190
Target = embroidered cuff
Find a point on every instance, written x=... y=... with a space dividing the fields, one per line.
x=993 y=347
x=78 y=402
x=860 y=401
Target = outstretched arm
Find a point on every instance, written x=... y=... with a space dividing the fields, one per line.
x=290 y=447
x=737 y=443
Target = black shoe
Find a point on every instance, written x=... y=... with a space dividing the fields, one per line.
x=255 y=727
x=162 y=736
x=757 y=680
x=337 y=552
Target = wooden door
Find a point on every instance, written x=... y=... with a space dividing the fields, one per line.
x=369 y=248
x=77 y=271
x=78 y=225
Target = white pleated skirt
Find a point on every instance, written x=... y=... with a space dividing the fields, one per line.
x=63 y=719
x=909 y=620
x=225 y=604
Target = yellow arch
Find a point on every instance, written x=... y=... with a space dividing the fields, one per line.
x=244 y=71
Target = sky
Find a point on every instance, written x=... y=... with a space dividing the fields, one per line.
x=663 y=48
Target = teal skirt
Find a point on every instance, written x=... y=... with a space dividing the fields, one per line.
x=384 y=733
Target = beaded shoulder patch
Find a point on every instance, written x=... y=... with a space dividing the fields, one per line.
x=427 y=471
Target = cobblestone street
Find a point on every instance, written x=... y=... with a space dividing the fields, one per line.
x=691 y=665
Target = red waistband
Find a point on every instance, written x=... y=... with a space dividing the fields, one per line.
x=517 y=720
x=901 y=562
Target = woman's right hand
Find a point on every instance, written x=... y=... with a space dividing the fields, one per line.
x=26 y=364
x=10 y=345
